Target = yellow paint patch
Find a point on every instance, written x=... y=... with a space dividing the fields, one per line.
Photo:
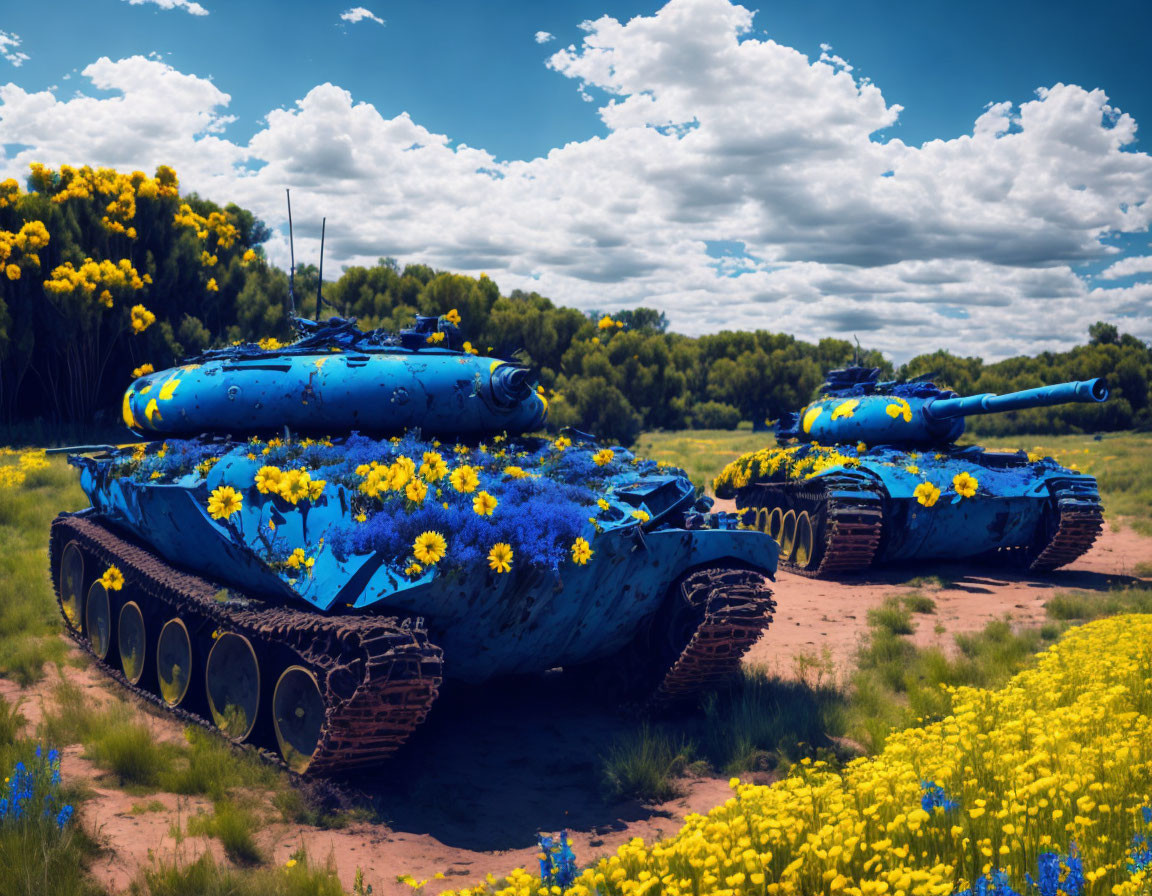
x=494 y=365
x=129 y=420
x=168 y=388
x=319 y=362
x=810 y=416
x=145 y=390
x=151 y=410
x=845 y=408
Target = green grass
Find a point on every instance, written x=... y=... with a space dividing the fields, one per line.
x=643 y=764
x=204 y=877
x=234 y=826
x=702 y=453
x=897 y=684
x=29 y=620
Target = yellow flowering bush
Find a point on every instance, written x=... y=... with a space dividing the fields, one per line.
x=1061 y=755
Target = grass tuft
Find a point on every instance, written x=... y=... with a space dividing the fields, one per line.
x=204 y=877
x=233 y=826
x=643 y=764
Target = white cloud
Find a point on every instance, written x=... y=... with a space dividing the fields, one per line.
x=542 y=37
x=189 y=6
x=1127 y=267
x=713 y=135
x=9 y=49
x=359 y=13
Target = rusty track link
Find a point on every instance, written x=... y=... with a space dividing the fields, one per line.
x=1079 y=520
x=852 y=514
x=737 y=607
x=378 y=675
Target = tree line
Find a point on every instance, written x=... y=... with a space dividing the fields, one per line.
x=104 y=274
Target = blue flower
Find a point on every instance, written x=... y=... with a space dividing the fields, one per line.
x=1052 y=878
x=558 y=865
x=935 y=798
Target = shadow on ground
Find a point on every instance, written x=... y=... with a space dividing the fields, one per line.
x=495 y=764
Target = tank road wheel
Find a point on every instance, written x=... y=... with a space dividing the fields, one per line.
x=804 y=551
x=174 y=661
x=98 y=620
x=232 y=677
x=298 y=716
x=788 y=536
x=72 y=584
x=775 y=524
x=132 y=639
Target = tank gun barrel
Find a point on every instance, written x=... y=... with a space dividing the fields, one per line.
x=988 y=403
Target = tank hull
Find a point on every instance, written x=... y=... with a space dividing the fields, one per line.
x=978 y=504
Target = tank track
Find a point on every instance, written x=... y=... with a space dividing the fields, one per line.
x=850 y=514
x=1079 y=520
x=378 y=675
x=737 y=608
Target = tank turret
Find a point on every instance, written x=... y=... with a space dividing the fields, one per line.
x=315 y=535
x=855 y=408
x=870 y=473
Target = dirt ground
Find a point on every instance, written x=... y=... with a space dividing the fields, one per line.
x=492 y=767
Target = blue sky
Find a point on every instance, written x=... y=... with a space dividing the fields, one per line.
x=476 y=74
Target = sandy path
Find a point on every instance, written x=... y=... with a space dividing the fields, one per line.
x=491 y=767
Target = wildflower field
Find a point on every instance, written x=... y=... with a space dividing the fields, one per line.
x=1042 y=785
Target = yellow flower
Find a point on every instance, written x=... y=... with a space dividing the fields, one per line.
x=913 y=469
x=581 y=551
x=413 y=569
x=142 y=318
x=464 y=479
x=142 y=370
x=434 y=338
x=416 y=491
x=291 y=863
x=270 y=343
x=603 y=457
x=113 y=579
x=606 y=323
x=484 y=504
x=515 y=472
x=361 y=517
x=453 y=316
x=296 y=558
x=295 y=485
x=434 y=467
x=429 y=547
x=861 y=447
x=561 y=443
x=12 y=271
x=211 y=286
x=603 y=505
x=965 y=484
x=926 y=493
x=223 y=502
x=500 y=557
x=469 y=350
x=641 y=515
x=268 y=480
x=316 y=488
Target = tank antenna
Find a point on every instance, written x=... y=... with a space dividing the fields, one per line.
x=292 y=258
x=320 y=279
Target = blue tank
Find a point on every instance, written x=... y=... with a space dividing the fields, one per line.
x=306 y=586
x=870 y=473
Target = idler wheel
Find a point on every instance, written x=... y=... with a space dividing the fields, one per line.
x=787 y=537
x=174 y=661
x=132 y=639
x=232 y=675
x=775 y=523
x=98 y=619
x=298 y=716
x=72 y=584
x=805 y=541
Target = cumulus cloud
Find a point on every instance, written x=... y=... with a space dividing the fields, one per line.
x=10 y=49
x=359 y=13
x=1128 y=267
x=542 y=37
x=189 y=6
x=714 y=136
